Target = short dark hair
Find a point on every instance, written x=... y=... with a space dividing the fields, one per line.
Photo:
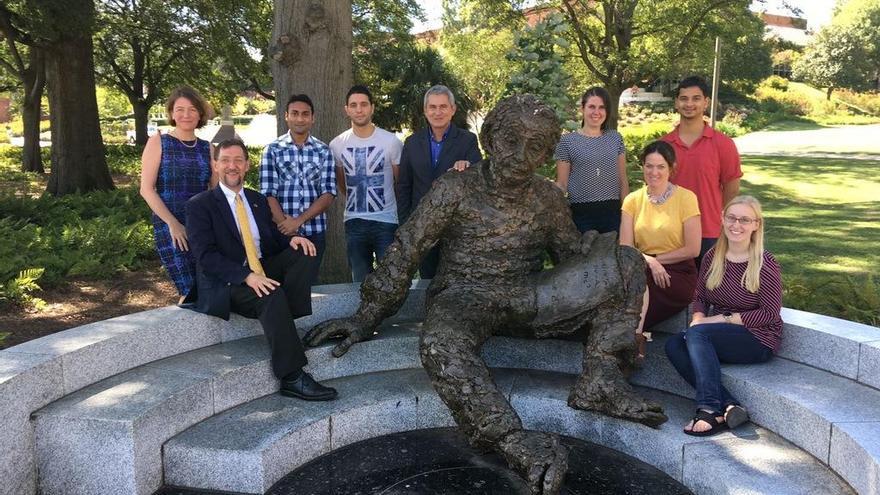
x=304 y=98
x=606 y=100
x=662 y=148
x=359 y=89
x=691 y=82
x=194 y=97
x=230 y=143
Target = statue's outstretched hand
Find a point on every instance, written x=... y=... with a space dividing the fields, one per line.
x=587 y=240
x=349 y=328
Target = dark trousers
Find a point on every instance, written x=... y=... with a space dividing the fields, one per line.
x=706 y=244
x=698 y=352
x=601 y=216
x=430 y=262
x=277 y=310
x=320 y=242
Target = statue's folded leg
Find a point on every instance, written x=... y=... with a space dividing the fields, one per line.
x=455 y=329
x=609 y=349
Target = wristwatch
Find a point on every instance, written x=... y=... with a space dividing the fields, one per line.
x=727 y=315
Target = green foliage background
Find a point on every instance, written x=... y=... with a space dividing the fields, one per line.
x=93 y=235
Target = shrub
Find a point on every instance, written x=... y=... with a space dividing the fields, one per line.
x=18 y=290
x=634 y=140
x=868 y=102
x=731 y=130
x=775 y=100
x=123 y=158
x=855 y=298
x=95 y=235
x=777 y=82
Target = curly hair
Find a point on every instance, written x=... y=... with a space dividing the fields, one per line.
x=525 y=111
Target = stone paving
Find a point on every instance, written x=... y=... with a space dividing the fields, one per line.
x=72 y=401
x=852 y=142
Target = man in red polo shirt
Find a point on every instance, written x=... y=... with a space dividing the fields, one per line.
x=707 y=161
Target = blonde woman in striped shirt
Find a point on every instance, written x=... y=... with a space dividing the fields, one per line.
x=736 y=316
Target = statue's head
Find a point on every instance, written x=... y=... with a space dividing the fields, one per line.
x=518 y=135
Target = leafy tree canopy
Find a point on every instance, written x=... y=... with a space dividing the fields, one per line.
x=622 y=42
x=845 y=53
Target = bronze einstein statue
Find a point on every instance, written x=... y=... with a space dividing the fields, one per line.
x=495 y=221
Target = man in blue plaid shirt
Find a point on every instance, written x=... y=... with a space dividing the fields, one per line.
x=298 y=178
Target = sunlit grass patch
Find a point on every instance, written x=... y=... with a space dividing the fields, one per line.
x=823 y=225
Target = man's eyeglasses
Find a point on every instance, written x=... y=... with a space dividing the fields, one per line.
x=229 y=161
x=744 y=221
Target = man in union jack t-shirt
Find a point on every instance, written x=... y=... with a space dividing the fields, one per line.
x=367 y=159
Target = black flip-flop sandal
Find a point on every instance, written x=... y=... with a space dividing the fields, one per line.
x=708 y=417
x=735 y=415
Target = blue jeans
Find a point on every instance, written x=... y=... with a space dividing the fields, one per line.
x=363 y=239
x=698 y=352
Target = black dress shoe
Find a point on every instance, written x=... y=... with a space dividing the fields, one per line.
x=305 y=387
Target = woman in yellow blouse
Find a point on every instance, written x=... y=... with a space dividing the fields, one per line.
x=662 y=221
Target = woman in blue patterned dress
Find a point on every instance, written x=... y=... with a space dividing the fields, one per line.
x=175 y=167
x=591 y=167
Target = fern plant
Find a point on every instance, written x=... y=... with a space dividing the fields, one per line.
x=18 y=290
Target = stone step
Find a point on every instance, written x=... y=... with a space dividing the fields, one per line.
x=39 y=372
x=106 y=437
x=248 y=448
x=835 y=419
x=842 y=347
x=845 y=348
x=201 y=383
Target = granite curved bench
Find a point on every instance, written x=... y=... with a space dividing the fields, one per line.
x=128 y=373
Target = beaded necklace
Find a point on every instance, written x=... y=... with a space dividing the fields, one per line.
x=659 y=200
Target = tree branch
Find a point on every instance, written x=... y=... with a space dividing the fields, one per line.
x=583 y=41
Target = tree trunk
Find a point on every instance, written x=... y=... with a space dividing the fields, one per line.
x=78 y=161
x=141 y=119
x=34 y=85
x=311 y=53
x=614 y=91
x=828 y=93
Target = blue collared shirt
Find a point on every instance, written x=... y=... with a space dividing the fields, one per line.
x=437 y=146
x=297 y=177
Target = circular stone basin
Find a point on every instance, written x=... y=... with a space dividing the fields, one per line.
x=439 y=461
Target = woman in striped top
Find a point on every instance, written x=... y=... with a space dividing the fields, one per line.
x=591 y=167
x=736 y=316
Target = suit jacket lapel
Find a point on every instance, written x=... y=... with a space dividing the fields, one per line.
x=226 y=212
x=445 y=150
x=265 y=233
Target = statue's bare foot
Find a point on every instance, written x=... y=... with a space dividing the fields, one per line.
x=538 y=457
x=615 y=397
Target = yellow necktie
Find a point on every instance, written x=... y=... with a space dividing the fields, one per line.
x=250 y=248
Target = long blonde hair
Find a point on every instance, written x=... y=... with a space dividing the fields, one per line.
x=751 y=278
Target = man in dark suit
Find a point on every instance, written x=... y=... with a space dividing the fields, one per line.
x=245 y=265
x=428 y=154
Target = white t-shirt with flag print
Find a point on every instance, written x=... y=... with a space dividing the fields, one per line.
x=369 y=178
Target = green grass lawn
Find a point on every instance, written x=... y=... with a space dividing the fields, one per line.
x=823 y=225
